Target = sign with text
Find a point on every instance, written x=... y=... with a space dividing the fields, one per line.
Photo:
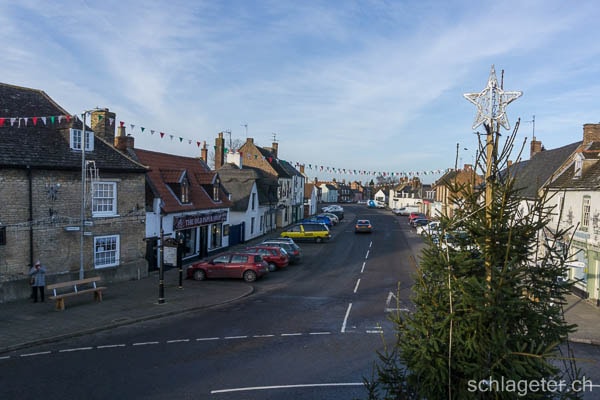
x=190 y=221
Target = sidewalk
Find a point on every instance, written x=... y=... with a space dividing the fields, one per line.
x=24 y=323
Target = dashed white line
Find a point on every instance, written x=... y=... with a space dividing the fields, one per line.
x=144 y=343
x=207 y=338
x=320 y=333
x=235 y=337
x=263 y=336
x=177 y=341
x=346 y=318
x=363 y=267
x=356 y=287
x=35 y=354
x=291 y=334
x=75 y=349
x=367 y=256
x=110 y=346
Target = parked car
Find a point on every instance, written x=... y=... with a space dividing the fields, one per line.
x=363 y=226
x=335 y=209
x=415 y=223
x=431 y=228
x=406 y=210
x=414 y=215
x=275 y=256
x=308 y=231
x=320 y=220
x=238 y=265
x=375 y=204
x=292 y=249
x=334 y=218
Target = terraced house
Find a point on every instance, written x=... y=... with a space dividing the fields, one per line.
x=69 y=198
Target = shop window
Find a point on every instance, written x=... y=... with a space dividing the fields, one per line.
x=216 y=238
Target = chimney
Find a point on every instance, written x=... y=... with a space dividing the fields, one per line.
x=219 y=151
x=122 y=141
x=468 y=167
x=591 y=133
x=274 y=149
x=536 y=147
x=235 y=158
x=204 y=152
x=103 y=124
x=509 y=163
x=302 y=169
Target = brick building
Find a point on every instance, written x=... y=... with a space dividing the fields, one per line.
x=41 y=193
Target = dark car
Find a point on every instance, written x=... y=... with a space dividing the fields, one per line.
x=275 y=256
x=319 y=219
x=239 y=265
x=363 y=226
x=292 y=249
x=419 y=222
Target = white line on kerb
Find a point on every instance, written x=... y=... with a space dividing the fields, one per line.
x=363 y=267
x=246 y=389
x=356 y=287
x=346 y=318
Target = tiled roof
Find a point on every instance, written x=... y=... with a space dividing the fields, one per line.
x=46 y=145
x=239 y=183
x=167 y=166
x=531 y=174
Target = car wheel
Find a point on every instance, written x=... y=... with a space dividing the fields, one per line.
x=249 y=276
x=272 y=267
x=318 y=240
x=199 y=275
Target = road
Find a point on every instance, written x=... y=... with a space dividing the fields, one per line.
x=310 y=331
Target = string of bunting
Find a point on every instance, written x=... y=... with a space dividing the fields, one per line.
x=22 y=122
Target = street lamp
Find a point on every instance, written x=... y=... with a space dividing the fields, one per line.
x=83 y=188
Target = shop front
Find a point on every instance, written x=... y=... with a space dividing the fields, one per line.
x=201 y=233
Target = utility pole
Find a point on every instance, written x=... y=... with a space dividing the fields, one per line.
x=491 y=103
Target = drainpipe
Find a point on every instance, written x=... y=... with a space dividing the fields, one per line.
x=30 y=195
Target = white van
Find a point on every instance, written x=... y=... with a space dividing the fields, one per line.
x=407 y=210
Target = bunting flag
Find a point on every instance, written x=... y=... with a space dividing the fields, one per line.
x=22 y=122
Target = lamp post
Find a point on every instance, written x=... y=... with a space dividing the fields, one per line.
x=83 y=189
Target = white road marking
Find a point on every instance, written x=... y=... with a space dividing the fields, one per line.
x=346 y=318
x=235 y=337
x=75 y=349
x=320 y=333
x=363 y=267
x=307 y=385
x=178 y=340
x=263 y=336
x=356 y=287
x=207 y=338
x=110 y=346
x=370 y=244
x=367 y=255
x=144 y=343
x=35 y=354
x=374 y=331
x=291 y=334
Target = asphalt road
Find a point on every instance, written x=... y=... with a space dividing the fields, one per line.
x=310 y=331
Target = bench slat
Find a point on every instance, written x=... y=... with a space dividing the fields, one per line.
x=76 y=285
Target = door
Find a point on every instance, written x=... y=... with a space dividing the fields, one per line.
x=237 y=265
x=219 y=267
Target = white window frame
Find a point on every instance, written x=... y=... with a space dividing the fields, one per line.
x=113 y=205
x=103 y=257
x=75 y=139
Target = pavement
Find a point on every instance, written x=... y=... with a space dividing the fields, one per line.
x=25 y=324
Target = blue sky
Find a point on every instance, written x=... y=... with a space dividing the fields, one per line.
x=357 y=85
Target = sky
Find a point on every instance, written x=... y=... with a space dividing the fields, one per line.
x=350 y=89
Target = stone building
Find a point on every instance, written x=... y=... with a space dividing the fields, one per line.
x=80 y=212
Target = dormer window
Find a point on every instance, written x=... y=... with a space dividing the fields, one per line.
x=178 y=183
x=578 y=166
x=75 y=139
x=216 y=188
x=185 y=191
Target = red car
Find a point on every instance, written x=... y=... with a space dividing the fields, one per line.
x=275 y=256
x=414 y=215
x=247 y=265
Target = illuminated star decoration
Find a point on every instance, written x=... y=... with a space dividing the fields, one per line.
x=491 y=103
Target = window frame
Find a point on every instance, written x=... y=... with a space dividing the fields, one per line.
x=586 y=208
x=115 y=260
x=95 y=199
x=75 y=139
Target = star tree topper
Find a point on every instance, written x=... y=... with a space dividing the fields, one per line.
x=491 y=103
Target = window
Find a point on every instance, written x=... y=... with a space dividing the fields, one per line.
x=252 y=225
x=106 y=251
x=253 y=201
x=585 y=218
x=216 y=188
x=185 y=191
x=104 y=199
x=2 y=235
x=75 y=139
x=216 y=235
x=239 y=259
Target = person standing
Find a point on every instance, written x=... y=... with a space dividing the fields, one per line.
x=38 y=277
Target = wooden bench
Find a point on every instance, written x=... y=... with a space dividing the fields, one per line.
x=62 y=290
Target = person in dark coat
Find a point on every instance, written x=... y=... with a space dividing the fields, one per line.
x=38 y=281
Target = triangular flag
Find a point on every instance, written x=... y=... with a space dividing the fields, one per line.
x=34 y=119
x=142 y=128
x=111 y=120
x=1 y=121
x=162 y=134
x=152 y=131
x=26 y=119
x=44 y=120
x=68 y=117
x=180 y=139
x=197 y=143
x=100 y=116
